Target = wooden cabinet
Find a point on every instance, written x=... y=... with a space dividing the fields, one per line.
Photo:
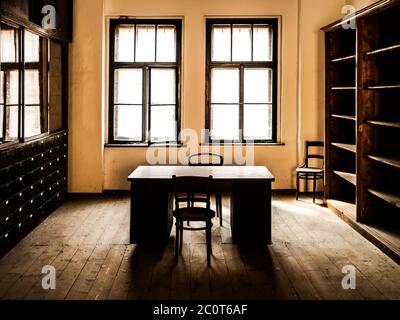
x=363 y=123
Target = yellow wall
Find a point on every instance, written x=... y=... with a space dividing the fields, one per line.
x=359 y=4
x=94 y=168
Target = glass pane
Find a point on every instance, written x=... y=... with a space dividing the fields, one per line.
x=225 y=86
x=145 y=43
x=163 y=86
x=128 y=123
x=12 y=85
x=11 y=123
x=166 y=44
x=225 y=122
x=128 y=86
x=258 y=85
x=32 y=121
x=31 y=47
x=257 y=122
x=241 y=43
x=32 y=87
x=221 y=43
x=55 y=87
x=125 y=43
x=262 y=43
x=8 y=44
x=163 y=124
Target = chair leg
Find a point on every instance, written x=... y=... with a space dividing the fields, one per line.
x=297 y=187
x=314 y=187
x=219 y=201
x=177 y=226
x=208 y=241
x=307 y=184
x=181 y=238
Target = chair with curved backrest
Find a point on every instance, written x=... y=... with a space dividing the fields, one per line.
x=191 y=191
x=210 y=159
x=309 y=172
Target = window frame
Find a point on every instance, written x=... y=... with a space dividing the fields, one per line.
x=146 y=84
x=20 y=29
x=242 y=65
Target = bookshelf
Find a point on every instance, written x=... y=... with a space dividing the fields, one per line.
x=363 y=124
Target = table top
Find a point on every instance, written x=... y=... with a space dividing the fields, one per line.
x=218 y=173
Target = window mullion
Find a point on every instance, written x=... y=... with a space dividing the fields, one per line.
x=146 y=111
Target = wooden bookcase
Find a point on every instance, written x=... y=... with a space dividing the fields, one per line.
x=363 y=123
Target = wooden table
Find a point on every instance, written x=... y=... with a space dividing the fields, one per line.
x=152 y=201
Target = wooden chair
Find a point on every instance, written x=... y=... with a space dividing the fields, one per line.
x=213 y=159
x=307 y=172
x=193 y=190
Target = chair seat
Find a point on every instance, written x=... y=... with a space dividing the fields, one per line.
x=310 y=170
x=194 y=214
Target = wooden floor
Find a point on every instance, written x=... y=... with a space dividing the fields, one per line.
x=86 y=240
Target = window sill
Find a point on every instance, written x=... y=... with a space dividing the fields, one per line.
x=263 y=144
x=144 y=145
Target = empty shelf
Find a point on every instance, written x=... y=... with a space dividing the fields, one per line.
x=384 y=50
x=347 y=58
x=385 y=124
x=348 y=147
x=349 y=177
x=389 y=161
x=392 y=198
x=353 y=118
x=343 y=88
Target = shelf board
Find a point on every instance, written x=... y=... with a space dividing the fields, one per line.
x=349 y=177
x=385 y=124
x=343 y=208
x=384 y=50
x=344 y=59
x=343 y=88
x=340 y=116
x=389 y=161
x=348 y=147
x=392 y=198
x=383 y=87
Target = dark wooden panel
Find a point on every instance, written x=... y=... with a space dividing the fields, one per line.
x=17 y=8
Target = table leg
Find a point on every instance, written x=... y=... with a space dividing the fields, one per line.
x=251 y=213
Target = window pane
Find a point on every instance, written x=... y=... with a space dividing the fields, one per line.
x=125 y=43
x=12 y=85
x=55 y=87
x=258 y=85
x=128 y=86
x=225 y=86
x=128 y=123
x=262 y=43
x=145 y=46
x=163 y=124
x=241 y=43
x=221 y=43
x=163 y=86
x=8 y=44
x=166 y=44
x=225 y=122
x=32 y=121
x=257 y=122
x=31 y=47
x=11 y=123
x=32 y=87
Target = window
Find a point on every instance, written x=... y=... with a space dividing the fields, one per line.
x=27 y=62
x=242 y=81
x=145 y=67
